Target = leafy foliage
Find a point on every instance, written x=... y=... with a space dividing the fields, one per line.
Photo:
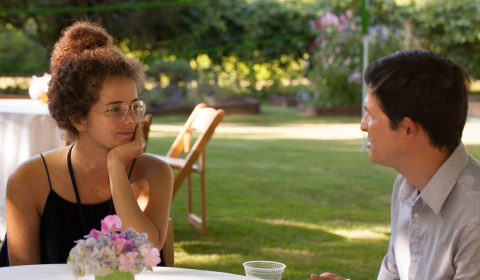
x=452 y=28
x=336 y=57
x=336 y=52
x=19 y=54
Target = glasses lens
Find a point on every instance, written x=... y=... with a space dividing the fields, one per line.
x=138 y=109
x=116 y=112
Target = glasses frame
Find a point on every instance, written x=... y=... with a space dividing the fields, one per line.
x=108 y=110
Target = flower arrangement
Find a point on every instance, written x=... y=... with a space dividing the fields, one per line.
x=110 y=251
x=39 y=87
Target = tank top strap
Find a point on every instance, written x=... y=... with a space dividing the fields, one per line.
x=46 y=169
x=75 y=188
x=72 y=177
x=131 y=168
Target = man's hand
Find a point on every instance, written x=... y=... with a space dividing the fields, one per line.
x=326 y=276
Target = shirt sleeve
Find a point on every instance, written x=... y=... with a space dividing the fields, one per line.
x=467 y=258
x=388 y=269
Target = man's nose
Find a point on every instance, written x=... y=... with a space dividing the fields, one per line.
x=363 y=123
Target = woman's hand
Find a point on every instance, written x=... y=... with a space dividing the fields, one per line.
x=127 y=152
x=326 y=276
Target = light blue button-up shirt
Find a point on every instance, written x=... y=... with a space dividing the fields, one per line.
x=435 y=234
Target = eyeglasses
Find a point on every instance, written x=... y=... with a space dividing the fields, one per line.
x=117 y=112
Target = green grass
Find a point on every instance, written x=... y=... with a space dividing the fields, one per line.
x=314 y=205
x=270 y=115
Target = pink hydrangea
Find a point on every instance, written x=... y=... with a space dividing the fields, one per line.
x=108 y=250
x=111 y=223
x=151 y=256
x=127 y=262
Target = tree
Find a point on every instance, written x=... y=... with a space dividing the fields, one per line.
x=452 y=28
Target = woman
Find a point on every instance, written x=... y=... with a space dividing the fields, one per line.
x=57 y=197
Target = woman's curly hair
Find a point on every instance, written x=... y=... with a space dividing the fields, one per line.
x=81 y=60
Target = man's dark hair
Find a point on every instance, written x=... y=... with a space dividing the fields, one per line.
x=430 y=89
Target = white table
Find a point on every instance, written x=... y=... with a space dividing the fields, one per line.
x=61 y=272
x=26 y=129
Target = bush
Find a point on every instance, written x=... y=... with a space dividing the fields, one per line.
x=336 y=58
x=452 y=28
x=335 y=73
x=168 y=80
x=20 y=55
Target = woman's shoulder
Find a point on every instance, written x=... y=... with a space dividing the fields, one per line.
x=27 y=169
x=27 y=179
x=152 y=166
x=34 y=170
x=153 y=161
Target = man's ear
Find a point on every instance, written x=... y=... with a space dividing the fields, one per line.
x=409 y=127
x=79 y=123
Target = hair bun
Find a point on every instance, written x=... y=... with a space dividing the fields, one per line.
x=80 y=36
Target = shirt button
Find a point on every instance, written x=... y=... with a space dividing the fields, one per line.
x=416 y=215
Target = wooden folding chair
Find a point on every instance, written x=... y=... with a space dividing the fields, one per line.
x=201 y=123
x=168 y=250
x=147 y=122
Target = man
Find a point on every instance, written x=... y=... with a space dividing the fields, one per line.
x=416 y=108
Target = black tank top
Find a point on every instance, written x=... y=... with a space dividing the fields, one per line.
x=63 y=222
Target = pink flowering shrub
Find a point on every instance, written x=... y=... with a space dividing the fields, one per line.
x=335 y=69
x=336 y=54
x=103 y=252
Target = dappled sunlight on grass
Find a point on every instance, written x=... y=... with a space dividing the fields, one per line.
x=297 y=224
x=301 y=201
x=363 y=232
x=342 y=131
x=288 y=252
x=194 y=253
x=375 y=233
x=294 y=131
x=196 y=260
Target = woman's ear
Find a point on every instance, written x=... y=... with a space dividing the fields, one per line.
x=79 y=123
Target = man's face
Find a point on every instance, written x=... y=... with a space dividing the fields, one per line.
x=383 y=143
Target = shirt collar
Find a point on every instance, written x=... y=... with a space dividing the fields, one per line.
x=437 y=189
x=408 y=193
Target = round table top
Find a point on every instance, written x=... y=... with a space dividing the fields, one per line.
x=61 y=272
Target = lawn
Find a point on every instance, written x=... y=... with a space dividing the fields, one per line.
x=314 y=205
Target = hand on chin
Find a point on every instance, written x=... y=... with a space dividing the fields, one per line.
x=129 y=147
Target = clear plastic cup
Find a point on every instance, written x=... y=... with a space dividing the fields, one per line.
x=268 y=270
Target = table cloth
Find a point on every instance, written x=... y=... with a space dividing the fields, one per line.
x=61 y=272
x=26 y=129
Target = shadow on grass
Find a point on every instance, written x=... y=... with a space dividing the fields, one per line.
x=300 y=202
x=231 y=242
x=314 y=205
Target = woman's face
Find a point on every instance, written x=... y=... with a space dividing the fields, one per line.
x=106 y=123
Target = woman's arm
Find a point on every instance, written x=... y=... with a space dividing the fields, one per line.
x=23 y=214
x=156 y=174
